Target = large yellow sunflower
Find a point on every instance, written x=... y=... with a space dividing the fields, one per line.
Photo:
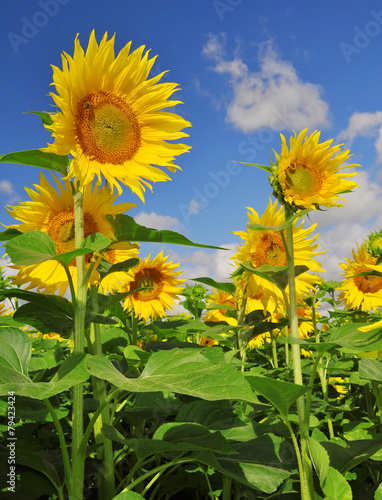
x=266 y=248
x=361 y=292
x=50 y=210
x=162 y=286
x=309 y=173
x=111 y=118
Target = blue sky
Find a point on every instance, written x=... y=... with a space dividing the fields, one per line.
x=248 y=70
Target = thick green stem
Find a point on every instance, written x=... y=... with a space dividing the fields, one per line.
x=78 y=462
x=240 y=334
x=106 y=484
x=306 y=477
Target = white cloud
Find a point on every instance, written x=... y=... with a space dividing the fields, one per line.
x=273 y=97
x=6 y=187
x=364 y=125
x=159 y=222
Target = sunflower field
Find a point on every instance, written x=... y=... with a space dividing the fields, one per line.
x=267 y=386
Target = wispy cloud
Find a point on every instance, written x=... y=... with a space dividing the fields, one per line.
x=159 y=222
x=6 y=188
x=272 y=97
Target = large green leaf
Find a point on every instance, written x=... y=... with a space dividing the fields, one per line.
x=30 y=248
x=15 y=350
x=126 y=229
x=47 y=313
x=335 y=486
x=320 y=459
x=280 y=394
x=70 y=373
x=370 y=369
x=174 y=437
x=9 y=233
x=36 y=247
x=352 y=340
x=180 y=371
x=345 y=455
x=37 y=158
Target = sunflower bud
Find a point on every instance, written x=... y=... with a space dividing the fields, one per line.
x=374 y=244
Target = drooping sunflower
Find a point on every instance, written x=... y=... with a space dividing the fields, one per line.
x=111 y=116
x=361 y=292
x=309 y=174
x=50 y=209
x=266 y=248
x=162 y=284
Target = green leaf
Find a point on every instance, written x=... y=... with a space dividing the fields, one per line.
x=128 y=495
x=9 y=233
x=96 y=242
x=126 y=229
x=15 y=350
x=282 y=227
x=105 y=268
x=262 y=167
x=320 y=459
x=345 y=455
x=70 y=373
x=281 y=394
x=370 y=369
x=45 y=117
x=45 y=318
x=352 y=340
x=181 y=371
x=174 y=437
x=336 y=486
x=225 y=287
x=30 y=248
x=37 y=158
x=378 y=493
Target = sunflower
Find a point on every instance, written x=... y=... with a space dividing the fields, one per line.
x=361 y=292
x=226 y=300
x=51 y=210
x=266 y=248
x=162 y=286
x=110 y=116
x=308 y=173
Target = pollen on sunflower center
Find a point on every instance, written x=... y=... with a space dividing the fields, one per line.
x=61 y=229
x=367 y=284
x=147 y=278
x=270 y=250
x=303 y=179
x=107 y=129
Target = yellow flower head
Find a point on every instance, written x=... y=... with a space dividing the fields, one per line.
x=266 y=248
x=162 y=286
x=361 y=292
x=50 y=210
x=308 y=173
x=226 y=300
x=110 y=117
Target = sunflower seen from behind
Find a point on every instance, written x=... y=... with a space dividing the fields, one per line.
x=50 y=210
x=308 y=174
x=154 y=285
x=111 y=116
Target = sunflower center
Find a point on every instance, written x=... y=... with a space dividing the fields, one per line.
x=61 y=229
x=147 y=278
x=367 y=284
x=270 y=250
x=107 y=129
x=304 y=180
